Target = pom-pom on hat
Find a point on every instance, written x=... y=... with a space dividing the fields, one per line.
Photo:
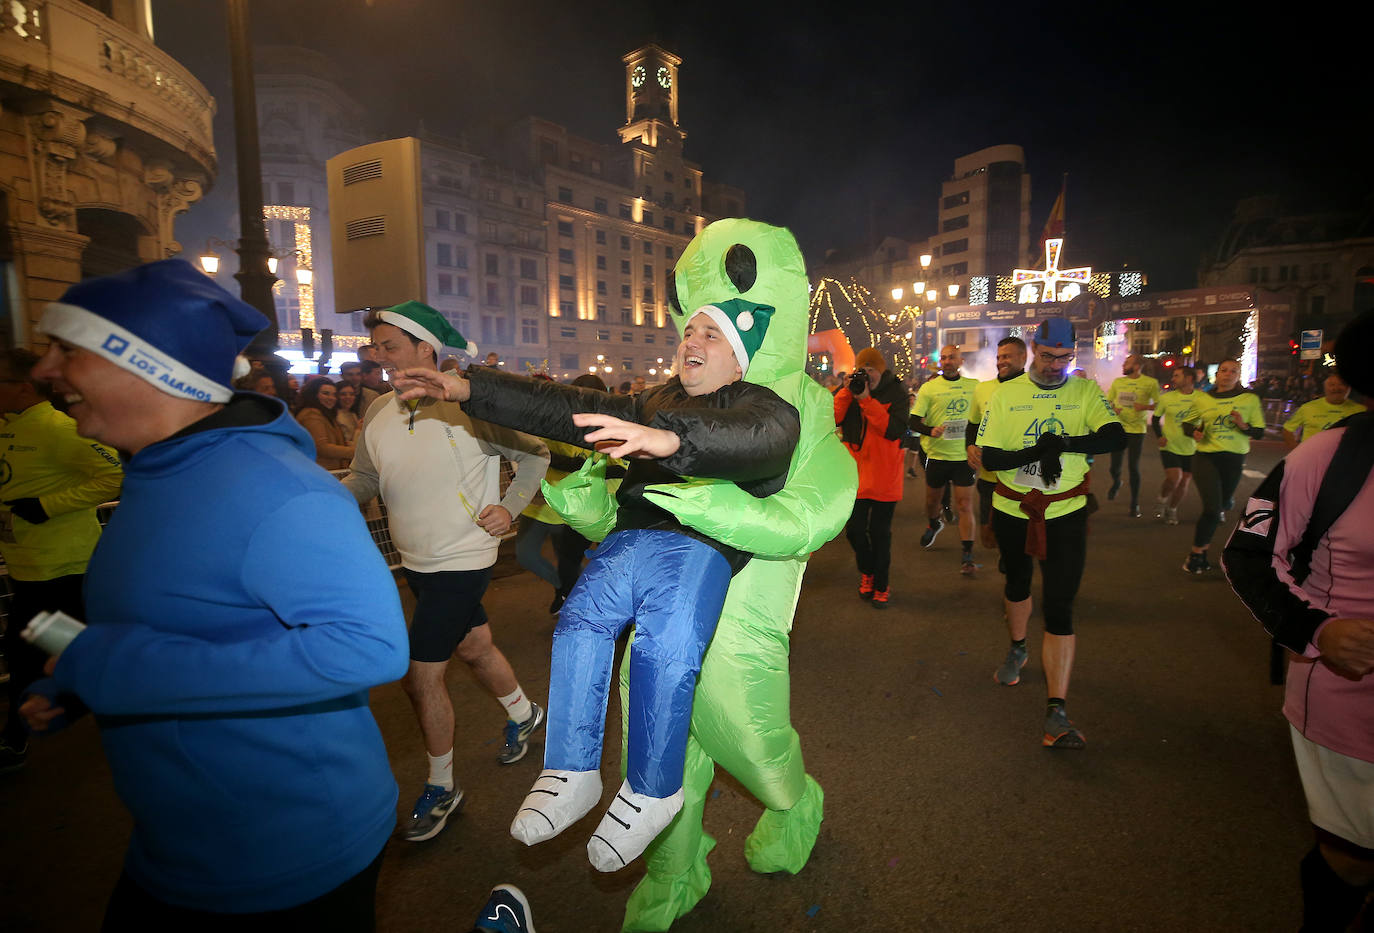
x=743 y=323
x=1055 y=332
x=166 y=322
x=870 y=357
x=422 y=321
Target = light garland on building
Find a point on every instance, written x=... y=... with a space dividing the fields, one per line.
x=978 y=290
x=1129 y=283
x=300 y=220
x=835 y=305
x=1249 y=348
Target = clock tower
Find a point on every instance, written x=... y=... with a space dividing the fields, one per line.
x=651 y=97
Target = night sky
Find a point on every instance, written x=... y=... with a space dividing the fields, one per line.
x=841 y=124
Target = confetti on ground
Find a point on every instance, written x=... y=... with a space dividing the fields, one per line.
x=813 y=910
x=962 y=653
x=893 y=862
x=936 y=691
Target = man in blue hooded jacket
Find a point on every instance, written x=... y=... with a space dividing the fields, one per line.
x=230 y=687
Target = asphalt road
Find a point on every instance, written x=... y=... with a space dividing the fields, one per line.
x=943 y=811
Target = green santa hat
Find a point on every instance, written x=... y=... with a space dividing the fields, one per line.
x=422 y=321
x=744 y=324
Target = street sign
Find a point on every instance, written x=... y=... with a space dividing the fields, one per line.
x=1310 y=347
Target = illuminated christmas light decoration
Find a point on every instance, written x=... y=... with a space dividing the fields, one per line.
x=1101 y=284
x=978 y=290
x=1249 y=348
x=1050 y=277
x=300 y=220
x=852 y=309
x=1130 y=283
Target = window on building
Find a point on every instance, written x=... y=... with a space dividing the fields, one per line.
x=600 y=287
x=460 y=286
x=565 y=195
x=522 y=201
x=566 y=281
x=955 y=246
x=956 y=337
x=1316 y=305
x=648 y=271
x=569 y=361
x=603 y=335
x=648 y=294
x=286 y=192
x=667 y=252
x=648 y=248
x=443 y=254
x=601 y=312
x=529 y=330
x=955 y=223
x=565 y=228
x=460 y=223
x=625 y=291
x=627 y=316
x=599 y=205
x=624 y=267
x=1167 y=324
x=441 y=219
x=647 y=218
x=528 y=269
x=624 y=242
x=488 y=230
x=493 y=263
x=445 y=284
x=601 y=238
x=491 y=193
x=601 y=262
x=958 y=268
x=670 y=223
x=954 y=200
x=493 y=294
x=667 y=176
x=565 y=255
x=1283 y=273
x=1143 y=327
x=627 y=337
x=529 y=295
x=650 y=337
x=566 y=309
x=626 y=212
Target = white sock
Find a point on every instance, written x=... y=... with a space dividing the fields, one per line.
x=516 y=705
x=441 y=770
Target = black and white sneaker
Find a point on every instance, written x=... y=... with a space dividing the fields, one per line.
x=929 y=535
x=517 y=735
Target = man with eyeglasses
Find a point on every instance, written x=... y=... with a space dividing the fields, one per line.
x=1036 y=434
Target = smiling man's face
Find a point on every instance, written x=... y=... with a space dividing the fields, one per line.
x=705 y=360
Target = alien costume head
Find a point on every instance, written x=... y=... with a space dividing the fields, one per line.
x=745 y=259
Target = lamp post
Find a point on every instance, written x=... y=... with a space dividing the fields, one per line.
x=255 y=278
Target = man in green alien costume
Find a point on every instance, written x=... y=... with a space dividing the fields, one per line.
x=740 y=715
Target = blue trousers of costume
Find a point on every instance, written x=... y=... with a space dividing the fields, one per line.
x=672 y=588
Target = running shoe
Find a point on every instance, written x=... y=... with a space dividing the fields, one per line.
x=865 y=586
x=507 y=911
x=556 y=606
x=928 y=536
x=1009 y=674
x=431 y=812
x=968 y=568
x=518 y=735
x=880 y=599
x=1171 y=516
x=1135 y=511
x=1197 y=563
x=12 y=755
x=1060 y=732
x=1114 y=489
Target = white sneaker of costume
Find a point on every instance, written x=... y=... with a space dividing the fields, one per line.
x=632 y=822
x=557 y=800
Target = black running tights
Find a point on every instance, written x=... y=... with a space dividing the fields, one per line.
x=870 y=534
x=1215 y=477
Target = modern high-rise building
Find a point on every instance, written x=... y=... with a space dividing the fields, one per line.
x=984 y=217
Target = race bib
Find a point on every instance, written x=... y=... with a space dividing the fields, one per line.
x=1125 y=399
x=956 y=430
x=1029 y=475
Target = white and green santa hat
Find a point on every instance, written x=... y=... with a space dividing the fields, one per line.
x=743 y=323
x=421 y=321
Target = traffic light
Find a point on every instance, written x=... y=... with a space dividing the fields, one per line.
x=326 y=343
x=1169 y=363
x=1293 y=346
x=307 y=342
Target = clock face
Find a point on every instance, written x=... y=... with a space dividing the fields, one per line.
x=665 y=80
x=638 y=75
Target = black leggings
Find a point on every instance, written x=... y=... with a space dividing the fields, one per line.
x=870 y=534
x=1066 y=550
x=985 y=490
x=1215 y=477
x=1133 y=445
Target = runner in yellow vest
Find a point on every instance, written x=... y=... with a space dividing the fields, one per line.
x=1011 y=362
x=1320 y=413
x=1176 y=446
x=1132 y=396
x=941 y=416
x=1037 y=434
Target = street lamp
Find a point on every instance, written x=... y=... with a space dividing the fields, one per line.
x=897 y=294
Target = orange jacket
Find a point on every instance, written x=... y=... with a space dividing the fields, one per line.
x=880 y=426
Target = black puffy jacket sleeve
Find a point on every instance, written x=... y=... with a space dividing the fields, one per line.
x=541 y=407
x=748 y=437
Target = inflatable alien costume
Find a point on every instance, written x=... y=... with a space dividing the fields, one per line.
x=740 y=716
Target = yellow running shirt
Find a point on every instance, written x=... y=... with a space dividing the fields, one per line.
x=1175 y=409
x=942 y=401
x=1318 y=415
x=1020 y=411
x=1220 y=433
x=982 y=393
x=1127 y=392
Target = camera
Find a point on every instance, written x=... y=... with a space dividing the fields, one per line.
x=858 y=382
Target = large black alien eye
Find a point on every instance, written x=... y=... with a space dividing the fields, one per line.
x=741 y=267
x=672 y=293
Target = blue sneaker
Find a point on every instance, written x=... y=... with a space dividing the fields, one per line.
x=431 y=812
x=518 y=736
x=507 y=911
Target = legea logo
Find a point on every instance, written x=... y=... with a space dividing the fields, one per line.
x=115 y=344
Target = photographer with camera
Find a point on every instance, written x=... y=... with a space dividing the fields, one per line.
x=871 y=412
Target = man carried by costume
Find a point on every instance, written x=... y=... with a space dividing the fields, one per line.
x=669 y=580
x=740 y=717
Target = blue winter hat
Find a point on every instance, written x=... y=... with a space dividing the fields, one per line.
x=1055 y=332
x=165 y=322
